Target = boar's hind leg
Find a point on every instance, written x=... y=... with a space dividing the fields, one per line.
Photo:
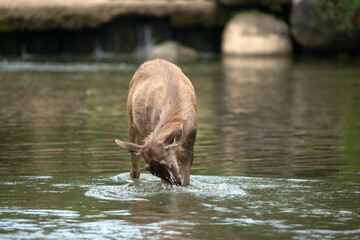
x=187 y=161
x=135 y=159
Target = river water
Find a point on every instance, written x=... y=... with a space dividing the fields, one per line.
x=277 y=154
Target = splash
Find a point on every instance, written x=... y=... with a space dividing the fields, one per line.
x=148 y=186
x=171 y=177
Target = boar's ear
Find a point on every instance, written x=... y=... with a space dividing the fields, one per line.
x=131 y=147
x=174 y=138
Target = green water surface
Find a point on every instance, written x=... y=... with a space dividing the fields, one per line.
x=277 y=154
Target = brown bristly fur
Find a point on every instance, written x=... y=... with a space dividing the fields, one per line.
x=171 y=116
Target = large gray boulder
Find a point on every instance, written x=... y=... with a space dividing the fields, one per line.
x=313 y=27
x=256 y=34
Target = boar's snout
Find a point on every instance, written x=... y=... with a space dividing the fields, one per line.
x=169 y=174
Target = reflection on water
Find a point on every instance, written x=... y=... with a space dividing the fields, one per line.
x=282 y=120
x=277 y=153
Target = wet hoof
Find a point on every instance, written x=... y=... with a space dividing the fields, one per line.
x=134 y=174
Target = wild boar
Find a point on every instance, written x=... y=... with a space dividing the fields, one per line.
x=162 y=122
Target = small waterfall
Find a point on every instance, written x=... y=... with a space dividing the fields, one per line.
x=23 y=51
x=98 y=50
x=145 y=39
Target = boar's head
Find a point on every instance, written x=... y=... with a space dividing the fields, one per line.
x=160 y=156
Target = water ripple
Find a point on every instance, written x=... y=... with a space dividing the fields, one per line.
x=24 y=66
x=201 y=186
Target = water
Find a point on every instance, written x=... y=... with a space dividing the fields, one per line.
x=277 y=154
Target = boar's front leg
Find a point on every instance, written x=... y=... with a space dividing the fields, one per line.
x=135 y=159
x=186 y=165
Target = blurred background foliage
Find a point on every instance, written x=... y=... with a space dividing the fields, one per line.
x=343 y=13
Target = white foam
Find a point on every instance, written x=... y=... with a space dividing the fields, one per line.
x=148 y=185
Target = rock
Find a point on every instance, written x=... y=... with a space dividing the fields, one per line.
x=172 y=51
x=316 y=32
x=32 y=15
x=256 y=34
x=253 y=3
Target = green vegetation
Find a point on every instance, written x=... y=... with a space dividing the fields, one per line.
x=12 y=24
x=340 y=12
x=277 y=10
